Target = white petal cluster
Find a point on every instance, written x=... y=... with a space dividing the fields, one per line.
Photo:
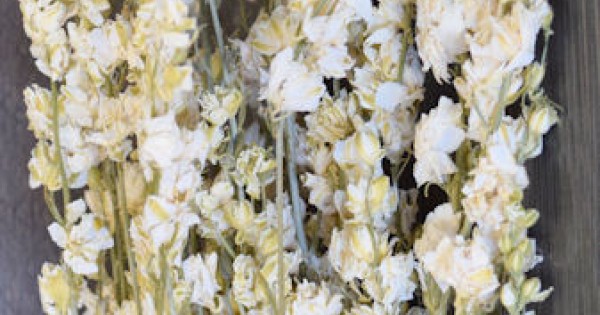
x=313 y=299
x=437 y=135
x=83 y=241
x=201 y=272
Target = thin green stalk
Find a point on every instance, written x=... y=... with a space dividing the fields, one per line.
x=280 y=263
x=51 y=203
x=219 y=35
x=293 y=182
x=169 y=291
x=57 y=155
x=100 y=305
x=160 y=298
x=206 y=44
x=73 y=298
x=118 y=266
x=122 y=200
x=113 y=263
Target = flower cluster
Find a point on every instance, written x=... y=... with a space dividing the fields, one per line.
x=270 y=173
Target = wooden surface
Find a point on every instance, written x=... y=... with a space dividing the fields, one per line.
x=565 y=180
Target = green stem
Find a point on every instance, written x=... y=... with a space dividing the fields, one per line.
x=219 y=35
x=100 y=305
x=160 y=298
x=280 y=262
x=74 y=292
x=113 y=263
x=293 y=181
x=122 y=200
x=207 y=48
x=118 y=266
x=51 y=203
x=57 y=155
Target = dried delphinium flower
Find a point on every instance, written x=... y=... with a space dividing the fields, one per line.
x=486 y=187
x=262 y=174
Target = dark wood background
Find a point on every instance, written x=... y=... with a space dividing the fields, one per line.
x=565 y=180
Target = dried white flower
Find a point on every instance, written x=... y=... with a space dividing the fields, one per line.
x=436 y=136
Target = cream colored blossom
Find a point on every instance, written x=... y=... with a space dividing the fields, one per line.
x=364 y=309
x=362 y=149
x=42 y=169
x=93 y=10
x=542 y=119
x=255 y=167
x=330 y=122
x=220 y=105
x=43 y=22
x=439 y=224
x=244 y=281
x=441 y=35
x=321 y=193
x=351 y=250
x=372 y=200
x=291 y=85
x=465 y=266
x=313 y=299
x=201 y=272
x=393 y=286
x=39 y=111
x=82 y=242
x=508 y=42
x=382 y=49
x=274 y=33
x=436 y=136
x=160 y=141
x=328 y=35
x=55 y=290
x=162 y=220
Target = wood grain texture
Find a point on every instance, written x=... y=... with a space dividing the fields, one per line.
x=24 y=242
x=565 y=180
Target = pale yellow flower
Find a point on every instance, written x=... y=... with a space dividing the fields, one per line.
x=55 y=290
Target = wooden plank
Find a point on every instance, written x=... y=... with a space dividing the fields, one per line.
x=565 y=180
x=24 y=241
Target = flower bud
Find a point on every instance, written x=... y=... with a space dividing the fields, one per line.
x=514 y=262
x=240 y=215
x=525 y=248
x=369 y=147
x=530 y=288
x=529 y=218
x=267 y=242
x=542 y=119
x=534 y=76
x=505 y=244
x=362 y=244
x=508 y=296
